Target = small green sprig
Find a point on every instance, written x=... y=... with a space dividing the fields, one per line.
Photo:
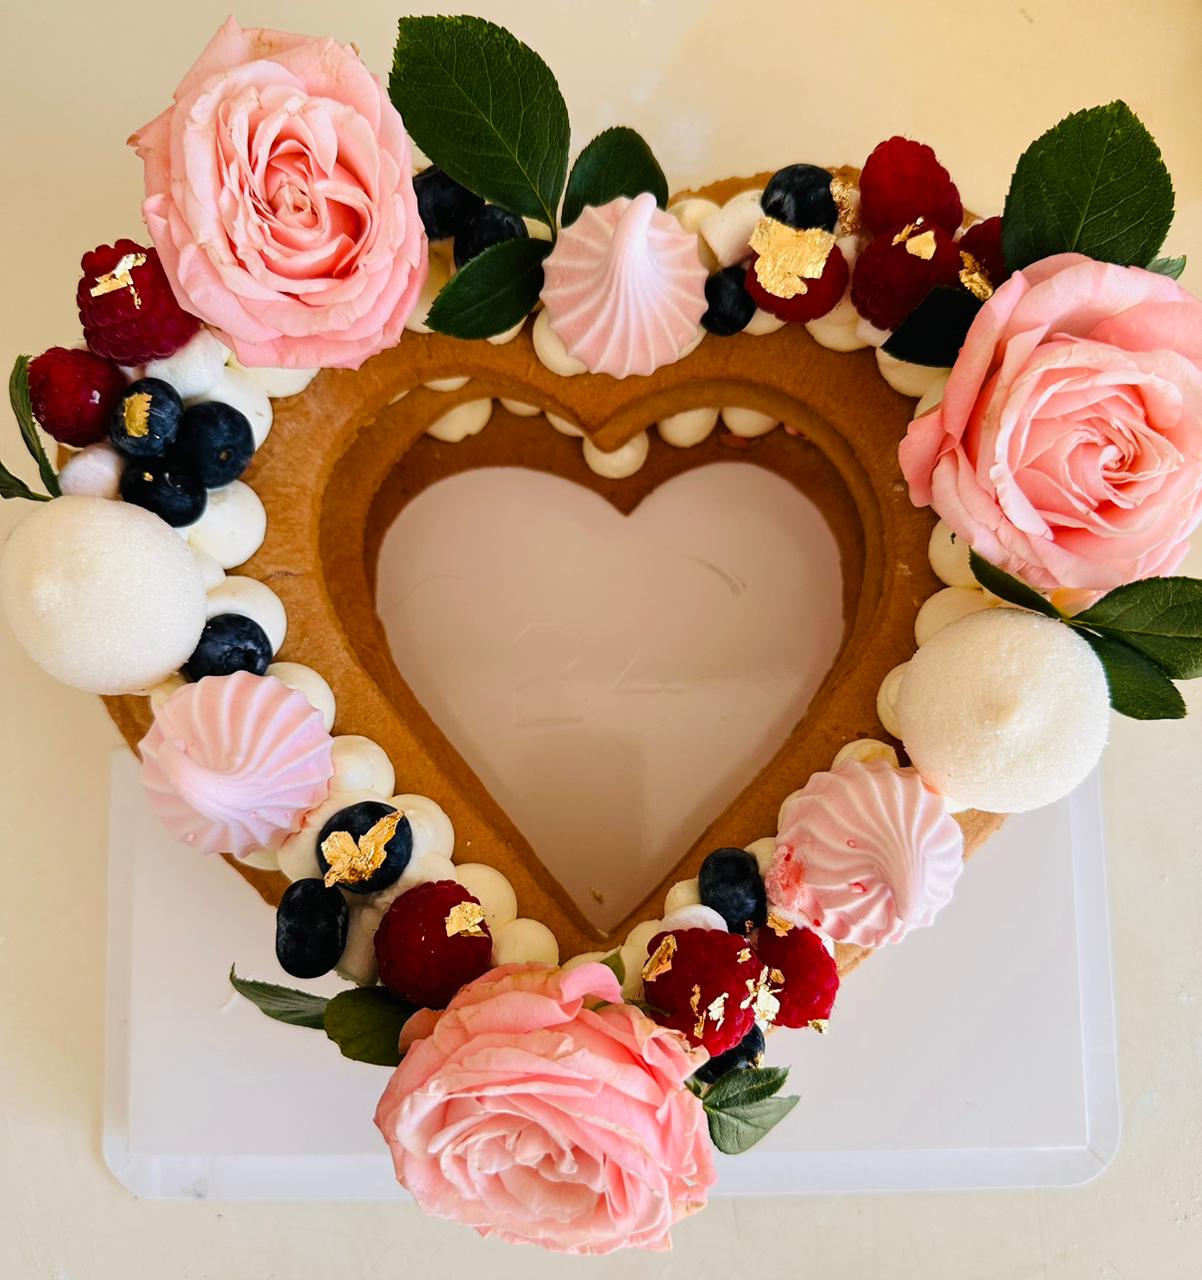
x=744 y=1106
x=18 y=396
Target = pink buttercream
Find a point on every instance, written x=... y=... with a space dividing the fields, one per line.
x=865 y=853
x=541 y=1109
x=279 y=194
x=624 y=288
x=233 y=763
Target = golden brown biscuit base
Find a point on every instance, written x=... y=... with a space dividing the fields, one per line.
x=345 y=456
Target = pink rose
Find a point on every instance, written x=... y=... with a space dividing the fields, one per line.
x=1068 y=447
x=279 y=194
x=535 y=1112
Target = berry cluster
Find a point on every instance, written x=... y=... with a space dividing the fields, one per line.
x=451 y=212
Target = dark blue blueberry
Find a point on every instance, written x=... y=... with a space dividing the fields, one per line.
x=800 y=196
x=357 y=820
x=730 y=305
x=146 y=419
x=486 y=227
x=172 y=491
x=747 y=1053
x=443 y=204
x=730 y=883
x=229 y=643
x=310 y=929
x=215 y=442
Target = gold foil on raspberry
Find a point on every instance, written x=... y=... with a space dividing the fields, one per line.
x=120 y=277
x=352 y=861
x=744 y=955
x=660 y=960
x=819 y=1024
x=919 y=240
x=974 y=277
x=789 y=256
x=716 y=1011
x=466 y=918
x=780 y=925
x=135 y=415
x=845 y=195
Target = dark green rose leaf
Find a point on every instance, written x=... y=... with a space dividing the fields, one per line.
x=934 y=331
x=1009 y=589
x=1171 y=267
x=616 y=964
x=1138 y=687
x=743 y=1085
x=493 y=292
x=1161 y=617
x=365 y=1023
x=18 y=396
x=616 y=163
x=736 y=1129
x=284 y=1004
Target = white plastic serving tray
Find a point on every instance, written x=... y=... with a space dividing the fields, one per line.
x=979 y=1053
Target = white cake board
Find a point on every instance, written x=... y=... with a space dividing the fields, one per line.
x=979 y=1053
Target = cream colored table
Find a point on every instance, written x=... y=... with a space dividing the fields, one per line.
x=716 y=87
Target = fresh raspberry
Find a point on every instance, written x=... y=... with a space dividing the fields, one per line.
x=130 y=315
x=427 y=947
x=821 y=295
x=984 y=241
x=893 y=274
x=801 y=972
x=705 y=983
x=74 y=394
x=902 y=181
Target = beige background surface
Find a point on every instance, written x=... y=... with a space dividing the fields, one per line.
x=715 y=87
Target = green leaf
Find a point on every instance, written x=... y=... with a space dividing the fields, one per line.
x=284 y=1004
x=1009 y=589
x=1171 y=267
x=365 y=1023
x=485 y=108
x=13 y=487
x=737 y=1129
x=18 y=396
x=1095 y=184
x=618 y=162
x=615 y=963
x=493 y=292
x=743 y=1085
x=1138 y=687
x=1161 y=617
x=934 y=331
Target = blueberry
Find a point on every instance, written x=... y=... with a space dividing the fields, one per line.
x=146 y=419
x=215 y=442
x=486 y=227
x=229 y=643
x=730 y=305
x=730 y=883
x=310 y=929
x=800 y=196
x=173 y=492
x=747 y=1053
x=443 y=204
x=357 y=820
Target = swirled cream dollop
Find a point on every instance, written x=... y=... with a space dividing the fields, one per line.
x=865 y=853
x=624 y=289
x=233 y=763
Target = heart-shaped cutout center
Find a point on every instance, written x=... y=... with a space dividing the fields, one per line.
x=614 y=681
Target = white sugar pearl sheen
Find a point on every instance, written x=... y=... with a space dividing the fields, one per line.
x=865 y=751
x=1004 y=711
x=684 y=893
x=433 y=832
x=233 y=526
x=464 y=420
x=305 y=680
x=93 y=472
x=279 y=384
x=683 y=430
x=728 y=230
x=906 y=378
x=748 y=423
x=491 y=890
x=949 y=557
x=948 y=606
x=621 y=462
x=361 y=765
x=551 y=351
x=251 y=599
x=240 y=390
x=886 y=699
x=193 y=369
x=102 y=595
x=523 y=941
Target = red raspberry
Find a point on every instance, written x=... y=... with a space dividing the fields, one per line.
x=427 y=947
x=893 y=275
x=74 y=394
x=902 y=181
x=801 y=972
x=984 y=241
x=821 y=295
x=130 y=315
x=705 y=983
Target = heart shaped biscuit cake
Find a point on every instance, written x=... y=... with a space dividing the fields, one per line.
x=317 y=335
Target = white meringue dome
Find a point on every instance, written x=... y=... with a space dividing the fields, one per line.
x=624 y=288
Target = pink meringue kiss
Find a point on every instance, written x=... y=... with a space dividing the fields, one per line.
x=233 y=763
x=624 y=288
x=865 y=853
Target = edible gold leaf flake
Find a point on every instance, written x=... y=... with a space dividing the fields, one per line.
x=789 y=256
x=466 y=918
x=922 y=245
x=907 y=231
x=716 y=1012
x=660 y=961
x=120 y=278
x=695 y=998
x=776 y=977
x=135 y=415
x=844 y=195
x=695 y=1005
x=744 y=955
x=820 y=1025
x=780 y=925
x=974 y=277
x=351 y=861
x=765 y=1004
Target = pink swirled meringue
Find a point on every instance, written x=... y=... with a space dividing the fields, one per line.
x=233 y=763
x=865 y=853
x=624 y=287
